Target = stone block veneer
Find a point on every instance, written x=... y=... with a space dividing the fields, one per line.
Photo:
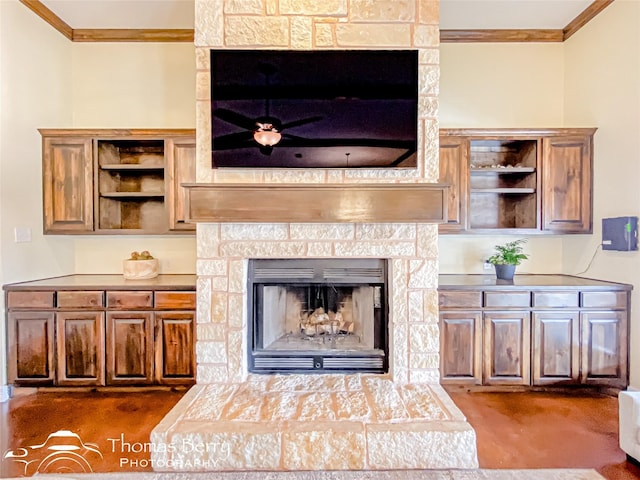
x=235 y=421
x=314 y=422
x=223 y=251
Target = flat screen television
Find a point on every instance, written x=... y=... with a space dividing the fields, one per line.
x=314 y=109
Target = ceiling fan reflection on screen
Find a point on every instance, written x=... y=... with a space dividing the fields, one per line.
x=266 y=130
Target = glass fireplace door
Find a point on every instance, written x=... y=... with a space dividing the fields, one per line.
x=318 y=315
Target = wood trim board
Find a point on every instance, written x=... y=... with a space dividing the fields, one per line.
x=309 y=203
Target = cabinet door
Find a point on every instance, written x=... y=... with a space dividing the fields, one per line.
x=556 y=347
x=129 y=348
x=80 y=342
x=507 y=348
x=175 y=356
x=604 y=348
x=181 y=168
x=30 y=341
x=567 y=184
x=454 y=170
x=461 y=347
x=67 y=185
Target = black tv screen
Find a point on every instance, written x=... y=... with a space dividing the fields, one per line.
x=314 y=109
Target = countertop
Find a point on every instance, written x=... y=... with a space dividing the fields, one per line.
x=188 y=282
x=521 y=282
x=106 y=282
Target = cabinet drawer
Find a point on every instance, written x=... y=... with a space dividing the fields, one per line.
x=141 y=299
x=458 y=299
x=30 y=300
x=507 y=299
x=555 y=299
x=176 y=300
x=604 y=300
x=80 y=299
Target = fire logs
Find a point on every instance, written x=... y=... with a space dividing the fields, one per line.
x=318 y=323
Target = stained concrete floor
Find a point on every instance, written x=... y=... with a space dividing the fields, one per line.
x=514 y=430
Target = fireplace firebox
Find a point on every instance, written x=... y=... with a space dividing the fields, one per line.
x=318 y=316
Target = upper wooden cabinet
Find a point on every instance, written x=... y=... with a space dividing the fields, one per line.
x=566 y=167
x=181 y=168
x=454 y=170
x=518 y=180
x=67 y=176
x=116 y=181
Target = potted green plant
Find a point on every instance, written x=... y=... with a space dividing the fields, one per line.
x=507 y=256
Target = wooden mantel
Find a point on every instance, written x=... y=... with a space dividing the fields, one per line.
x=325 y=203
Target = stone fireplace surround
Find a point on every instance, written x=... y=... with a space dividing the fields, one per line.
x=233 y=420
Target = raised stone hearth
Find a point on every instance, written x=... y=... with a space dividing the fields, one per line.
x=314 y=422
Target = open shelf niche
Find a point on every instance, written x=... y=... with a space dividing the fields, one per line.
x=131 y=184
x=504 y=183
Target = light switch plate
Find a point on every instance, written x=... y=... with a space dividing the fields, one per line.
x=22 y=234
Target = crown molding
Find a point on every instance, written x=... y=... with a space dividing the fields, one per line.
x=132 y=35
x=107 y=34
x=40 y=9
x=585 y=17
x=497 y=36
x=522 y=35
x=446 y=36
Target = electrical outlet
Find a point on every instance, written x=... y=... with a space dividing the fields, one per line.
x=487 y=266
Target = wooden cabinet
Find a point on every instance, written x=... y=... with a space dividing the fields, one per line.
x=31 y=341
x=541 y=330
x=567 y=166
x=506 y=348
x=604 y=347
x=115 y=181
x=518 y=180
x=461 y=346
x=556 y=347
x=174 y=359
x=454 y=171
x=461 y=336
x=130 y=348
x=67 y=180
x=80 y=348
x=93 y=335
x=181 y=168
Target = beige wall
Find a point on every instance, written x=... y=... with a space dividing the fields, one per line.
x=500 y=85
x=133 y=85
x=35 y=92
x=602 y=88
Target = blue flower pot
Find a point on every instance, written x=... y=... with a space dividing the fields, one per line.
x=505 y=272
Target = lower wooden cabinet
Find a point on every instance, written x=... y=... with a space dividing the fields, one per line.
x=130 y=348
x=604 y=353
x=542 y=330
x=80 y=348
x=461 y=346
x=556 y=347
x=31 y=347
x=506 y=348
x=91 y=337
x=174 y=340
